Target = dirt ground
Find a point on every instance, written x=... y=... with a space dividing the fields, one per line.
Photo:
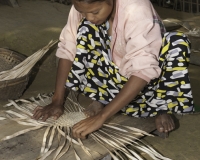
x=31 y=26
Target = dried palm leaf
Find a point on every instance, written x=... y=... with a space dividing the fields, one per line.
x=25 y=66
x=113 y=137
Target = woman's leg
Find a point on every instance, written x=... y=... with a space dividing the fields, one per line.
x=94 y=75
x=171 y=92
x=175 y=78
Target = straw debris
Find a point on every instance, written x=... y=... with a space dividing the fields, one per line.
x=113 y=137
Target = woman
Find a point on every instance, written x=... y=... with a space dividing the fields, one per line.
x=110 y=51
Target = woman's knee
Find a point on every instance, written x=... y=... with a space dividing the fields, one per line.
x=177 y=47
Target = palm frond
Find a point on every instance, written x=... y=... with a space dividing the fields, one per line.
x=25 y=66
x=113 y=137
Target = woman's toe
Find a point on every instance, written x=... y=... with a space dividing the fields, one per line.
x=164 y=123
x=159 y=126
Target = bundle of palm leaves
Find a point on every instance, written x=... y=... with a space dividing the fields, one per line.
x=25 y=66
x=114 y=138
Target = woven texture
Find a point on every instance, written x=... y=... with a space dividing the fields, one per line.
x=11 y=89
x=16 y=70
x=112 y=137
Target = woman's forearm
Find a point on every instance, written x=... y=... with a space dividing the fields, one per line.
x=130 y=90
x=64 y=67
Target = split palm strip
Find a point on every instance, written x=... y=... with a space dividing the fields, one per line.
x=114 y=138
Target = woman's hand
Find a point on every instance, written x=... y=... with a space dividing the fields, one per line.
x=124 y=97
x=51 y=110
x=56 y=108
x=87 y=126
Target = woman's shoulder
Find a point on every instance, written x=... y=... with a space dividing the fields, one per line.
x=75 y=13
x=134 y=5
x=136 y=9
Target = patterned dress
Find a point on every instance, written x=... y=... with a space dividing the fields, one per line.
x=95 y=75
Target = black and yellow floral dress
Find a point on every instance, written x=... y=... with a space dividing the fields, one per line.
x=95 y=75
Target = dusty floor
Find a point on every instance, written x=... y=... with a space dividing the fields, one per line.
x=31 y=26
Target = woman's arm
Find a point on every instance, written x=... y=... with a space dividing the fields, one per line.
x=143 y=42
x=56 y=109
x=64 y=67
x=66 y=52
x=130 y=90
x=67 y=45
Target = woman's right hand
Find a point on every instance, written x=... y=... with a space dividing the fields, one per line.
x=52 y=110
x=56 y=109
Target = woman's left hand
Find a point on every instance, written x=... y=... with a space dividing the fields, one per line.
x=87 y=126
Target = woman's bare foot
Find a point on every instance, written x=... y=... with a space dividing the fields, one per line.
x=164 y=123
x=94 y=108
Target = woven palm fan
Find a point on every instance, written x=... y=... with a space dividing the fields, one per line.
x=25 y=66
x=114 y=138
